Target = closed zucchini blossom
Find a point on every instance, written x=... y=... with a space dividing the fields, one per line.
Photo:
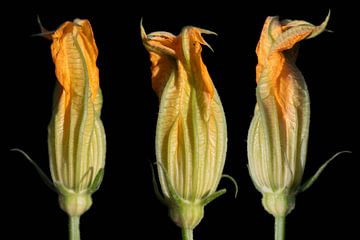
x=76 y=136
x=191 y=132
x=278 y=134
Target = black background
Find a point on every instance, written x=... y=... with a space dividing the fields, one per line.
x=125 y=207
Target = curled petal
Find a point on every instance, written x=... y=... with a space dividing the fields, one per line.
x=180 y=56
x=278 y=134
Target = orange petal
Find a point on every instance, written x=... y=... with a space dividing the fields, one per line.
x=191 y=45
x=74 y=53
x=89 y=51
x=162 y=48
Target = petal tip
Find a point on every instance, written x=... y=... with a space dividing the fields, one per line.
x=205 y=31
x=142 y=30
x=321 y=28
x=44 y=32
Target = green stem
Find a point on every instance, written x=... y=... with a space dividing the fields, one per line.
x=74 y=228
x=187 y=234
x=280 y=228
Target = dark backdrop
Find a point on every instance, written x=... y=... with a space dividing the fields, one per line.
x=125 y=207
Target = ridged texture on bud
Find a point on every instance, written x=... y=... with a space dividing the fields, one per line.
x=76 y=136
x=191 y=130
x=278 y=134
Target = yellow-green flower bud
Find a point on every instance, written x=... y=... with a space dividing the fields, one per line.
x=278 y=134
x=191 y=129
x=76 y=136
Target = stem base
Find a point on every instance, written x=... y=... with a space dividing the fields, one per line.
x=279 y=228
x=74 y=228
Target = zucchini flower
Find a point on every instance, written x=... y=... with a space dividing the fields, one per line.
x=76 y=137
x=278 y=134
x=191 y=132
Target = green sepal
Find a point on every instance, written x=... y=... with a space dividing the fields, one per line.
x=173 y=194
x=312 y=179
x=213 y=196
x=156 y=186
x=41 y=173
x=89 y=171
x=233 y=181
x=61 y=189
x=97 y=181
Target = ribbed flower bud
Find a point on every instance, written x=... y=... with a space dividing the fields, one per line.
x=278 y=134
x=76 y=136
x=191 y=129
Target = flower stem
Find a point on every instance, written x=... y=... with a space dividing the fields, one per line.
x=280 y=228
x=187 y=234
x=74 y=228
